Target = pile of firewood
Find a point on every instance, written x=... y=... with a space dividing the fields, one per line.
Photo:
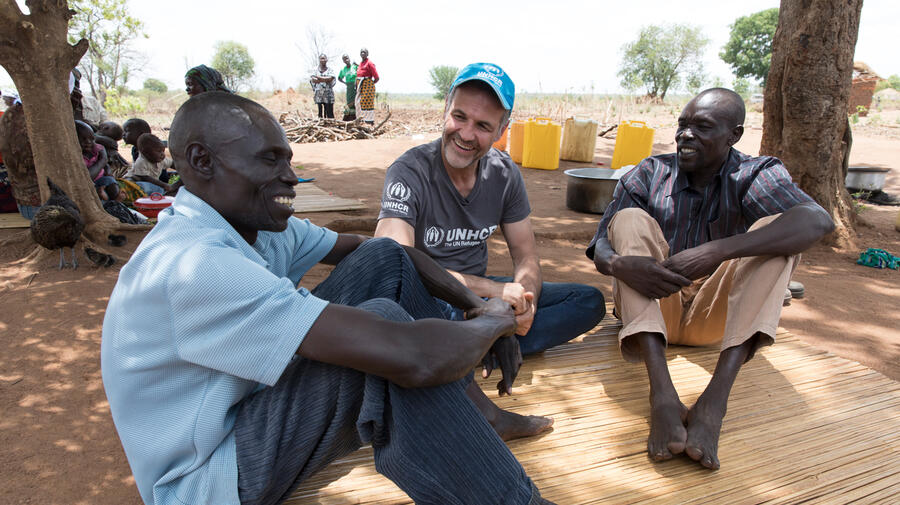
x=304 y=130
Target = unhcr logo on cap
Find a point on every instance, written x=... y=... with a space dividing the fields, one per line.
x=494 y=76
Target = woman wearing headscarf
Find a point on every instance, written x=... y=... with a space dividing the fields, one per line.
x=366 y=77
x=201 y=79
x=322 y=82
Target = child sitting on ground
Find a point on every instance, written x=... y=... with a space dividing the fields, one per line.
x=133 y=129
x=150 y=162
x=96 y=162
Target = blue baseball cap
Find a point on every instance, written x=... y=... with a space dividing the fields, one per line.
x=494 y=76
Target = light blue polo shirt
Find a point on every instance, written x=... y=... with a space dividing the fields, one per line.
x=198 y=320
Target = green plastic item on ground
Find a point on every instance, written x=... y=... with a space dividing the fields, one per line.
x=878 y=258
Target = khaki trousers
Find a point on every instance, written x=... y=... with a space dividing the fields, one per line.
x=742 y=297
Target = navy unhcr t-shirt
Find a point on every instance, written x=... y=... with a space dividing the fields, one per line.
x=451 y=229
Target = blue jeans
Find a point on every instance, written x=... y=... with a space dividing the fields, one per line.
x=432 y=442
x=150 y=188
x=27 y=211
x=564 y=311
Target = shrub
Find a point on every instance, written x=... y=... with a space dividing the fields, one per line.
x=120 y=104
x=155 y=85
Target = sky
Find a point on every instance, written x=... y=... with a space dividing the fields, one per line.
x=545 y=46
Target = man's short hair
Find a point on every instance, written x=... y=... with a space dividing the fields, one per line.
x=734 y=104
x=486 y=88
x=195 y=119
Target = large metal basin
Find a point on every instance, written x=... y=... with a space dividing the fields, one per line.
x=591 y=189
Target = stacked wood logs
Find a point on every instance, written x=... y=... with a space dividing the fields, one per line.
x=303 y=130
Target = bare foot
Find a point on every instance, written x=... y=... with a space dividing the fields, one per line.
x=511 y=426
x=667 y=432
x=508 y=425
x=703 y=426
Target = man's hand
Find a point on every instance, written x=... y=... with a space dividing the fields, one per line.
x=522 y=303
x=525 y=318
x=513 y=293
x=506 y=354
x=695 y=262
x=647 y=276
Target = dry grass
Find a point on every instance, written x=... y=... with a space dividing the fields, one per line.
x=421 y=113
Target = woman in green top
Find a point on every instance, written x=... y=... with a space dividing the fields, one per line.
x=348 y=77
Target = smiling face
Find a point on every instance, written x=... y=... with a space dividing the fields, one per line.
x=706 y=131
x=192 y=87
x=252 y=179
x=471 y=125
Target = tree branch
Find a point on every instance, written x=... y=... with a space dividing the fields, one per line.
x=75 y=53
x=10 y=14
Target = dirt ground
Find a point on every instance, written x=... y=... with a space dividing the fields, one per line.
x=60 y=445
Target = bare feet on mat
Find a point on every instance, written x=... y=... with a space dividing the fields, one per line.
x=511 y=426
x=667 y=432
x=703 y=426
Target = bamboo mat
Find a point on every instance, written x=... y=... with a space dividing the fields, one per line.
x=13 y=220
x=802 y=425
x=311 y=198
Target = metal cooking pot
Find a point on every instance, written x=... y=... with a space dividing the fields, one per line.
x=591 y=189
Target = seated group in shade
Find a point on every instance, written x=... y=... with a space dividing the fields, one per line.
x=229 y=384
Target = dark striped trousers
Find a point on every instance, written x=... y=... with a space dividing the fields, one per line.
x=432 y=442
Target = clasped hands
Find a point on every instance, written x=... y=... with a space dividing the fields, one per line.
x=505 y=353
x=659 y=279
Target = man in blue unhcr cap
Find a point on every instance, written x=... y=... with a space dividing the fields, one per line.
x=448 y=196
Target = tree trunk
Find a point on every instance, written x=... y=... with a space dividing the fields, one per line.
x=807 y=90
x=36 y=54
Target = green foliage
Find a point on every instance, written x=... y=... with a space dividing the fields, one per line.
x=441 y=77
x=122 y=104
x=155 y=85
x=662 y=57
x=109 y=28
x=233 y=61
x=891 y=82
x=749 y=50
x=741 y=86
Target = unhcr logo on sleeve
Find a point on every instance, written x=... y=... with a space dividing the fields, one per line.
x=397 y=193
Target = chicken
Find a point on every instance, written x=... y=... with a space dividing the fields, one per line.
x=98 y=258
x=58 y=224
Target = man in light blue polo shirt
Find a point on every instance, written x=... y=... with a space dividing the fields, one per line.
x=228 y=385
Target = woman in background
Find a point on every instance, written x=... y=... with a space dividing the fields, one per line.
x=201 y=79
x=366 y=77
x=322 y=83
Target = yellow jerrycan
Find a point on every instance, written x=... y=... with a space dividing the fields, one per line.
x=579 y=140
x=516 y=140
x=541 y=148
x=634 y=142
x=500 y=144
